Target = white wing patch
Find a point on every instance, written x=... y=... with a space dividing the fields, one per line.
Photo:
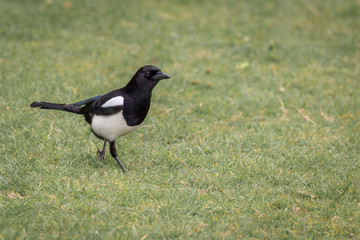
x=116 y=101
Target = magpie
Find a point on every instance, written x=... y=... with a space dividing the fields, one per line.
x=118 y=112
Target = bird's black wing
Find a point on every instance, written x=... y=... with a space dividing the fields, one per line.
x=87 y=101
x=107 y=104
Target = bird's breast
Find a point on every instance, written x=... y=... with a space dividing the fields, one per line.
x=111 y=127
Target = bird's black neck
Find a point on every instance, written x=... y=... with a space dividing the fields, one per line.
x=140 y=88
x=137 y=103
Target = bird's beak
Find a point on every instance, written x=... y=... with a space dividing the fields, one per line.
x=160 y=75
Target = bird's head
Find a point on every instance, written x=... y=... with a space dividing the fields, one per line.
x=151 y=73
x=148 y=76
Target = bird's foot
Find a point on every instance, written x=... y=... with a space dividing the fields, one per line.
x=122 y=167
x=101 y=154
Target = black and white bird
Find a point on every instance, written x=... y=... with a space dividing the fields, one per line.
x=118 y=112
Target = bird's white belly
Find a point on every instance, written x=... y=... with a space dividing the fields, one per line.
x=111 y=127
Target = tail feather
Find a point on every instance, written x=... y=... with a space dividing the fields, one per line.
x=56 y=106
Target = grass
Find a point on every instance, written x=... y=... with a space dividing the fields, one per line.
x=256 y=135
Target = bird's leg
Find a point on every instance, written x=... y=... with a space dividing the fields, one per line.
x=113 y=153
x=101 y=154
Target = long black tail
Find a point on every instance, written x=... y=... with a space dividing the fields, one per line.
x=56 y=106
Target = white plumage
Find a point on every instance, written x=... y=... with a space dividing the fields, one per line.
x=113 y=102
x=111 y=127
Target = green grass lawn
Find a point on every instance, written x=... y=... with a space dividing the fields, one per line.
x=256 y=135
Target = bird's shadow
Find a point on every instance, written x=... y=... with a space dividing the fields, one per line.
x=94 y=161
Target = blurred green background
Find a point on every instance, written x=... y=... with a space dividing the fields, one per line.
x=256 y=135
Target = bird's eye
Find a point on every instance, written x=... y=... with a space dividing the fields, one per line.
x=147 y=74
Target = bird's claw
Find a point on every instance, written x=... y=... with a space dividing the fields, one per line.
x=101 y=154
